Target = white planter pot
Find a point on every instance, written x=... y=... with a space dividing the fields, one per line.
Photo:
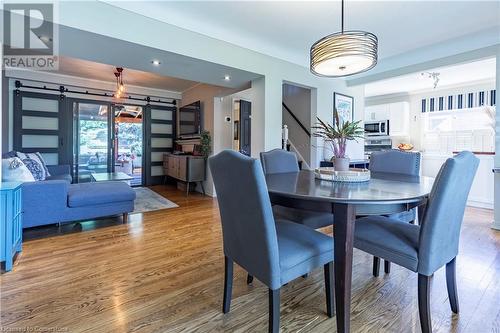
x=341 y=164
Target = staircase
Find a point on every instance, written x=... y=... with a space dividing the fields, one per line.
x=299 y=137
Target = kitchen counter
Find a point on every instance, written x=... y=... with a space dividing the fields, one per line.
x=481 y=193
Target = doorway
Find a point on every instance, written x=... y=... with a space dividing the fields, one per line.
x=128 y=141
x=107 y=138
x=91 y=139
x=242 y=120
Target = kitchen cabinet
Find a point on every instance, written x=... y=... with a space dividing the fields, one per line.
x=398 y=114
x=377 y=112
x=482 y=190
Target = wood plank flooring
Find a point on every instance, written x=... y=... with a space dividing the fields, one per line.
x=163 y=272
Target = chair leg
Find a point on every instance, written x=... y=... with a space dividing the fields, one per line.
x=125 y=218
x=330 y=308
x=274 y=311
x=228 y=284
x=424 y=303
x=249 y=279
x=376 y=266
x=305 y=276
x=387 y=266
x=451 y=284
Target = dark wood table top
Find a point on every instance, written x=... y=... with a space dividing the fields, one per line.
x=381 y=188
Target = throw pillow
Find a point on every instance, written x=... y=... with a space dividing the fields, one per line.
x=35 y=163
x=14 y=170
x=9 y=154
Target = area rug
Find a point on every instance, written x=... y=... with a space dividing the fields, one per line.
x=147 y=200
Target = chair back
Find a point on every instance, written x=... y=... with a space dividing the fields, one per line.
x=248 y=227
x=279 y=161
x=395 y=161
x=442 y=220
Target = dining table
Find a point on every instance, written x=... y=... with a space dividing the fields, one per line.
x=384 y=193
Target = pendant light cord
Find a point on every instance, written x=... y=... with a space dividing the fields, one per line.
x=342 y=19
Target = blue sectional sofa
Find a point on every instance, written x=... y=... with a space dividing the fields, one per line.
x=59 y=172
x=58 y=201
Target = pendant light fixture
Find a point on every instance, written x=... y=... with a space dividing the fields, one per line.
x=344 y=53
x=120 y=88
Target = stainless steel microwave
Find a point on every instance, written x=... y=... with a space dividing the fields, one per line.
x=376 y=127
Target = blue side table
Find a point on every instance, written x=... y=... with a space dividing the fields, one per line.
x=11 y=230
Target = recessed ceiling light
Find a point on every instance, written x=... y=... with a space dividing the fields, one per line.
x=156 y=62
x=227 y=78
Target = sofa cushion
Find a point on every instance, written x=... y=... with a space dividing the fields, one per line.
x=35 y=163
x=14 y=170
x=88 y=194
x=60 y=177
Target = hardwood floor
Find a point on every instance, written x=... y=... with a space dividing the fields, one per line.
x=163 y=272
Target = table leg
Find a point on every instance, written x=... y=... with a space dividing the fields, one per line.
x=345 y=216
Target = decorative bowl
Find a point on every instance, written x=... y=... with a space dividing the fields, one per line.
x=354 y=175
x=405 y=146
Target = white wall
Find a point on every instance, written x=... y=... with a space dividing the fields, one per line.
x=208 y=95
x=355 y=149
x=224 y=108
x=298 y=100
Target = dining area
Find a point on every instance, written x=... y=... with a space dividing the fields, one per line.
x=273 y=213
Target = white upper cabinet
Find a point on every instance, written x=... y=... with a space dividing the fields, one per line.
x=397 y=113
x=399 y=118
x=377 y=112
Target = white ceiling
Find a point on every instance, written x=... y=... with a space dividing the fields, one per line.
x=286 y=29
x=102 y=72
x=449 y=76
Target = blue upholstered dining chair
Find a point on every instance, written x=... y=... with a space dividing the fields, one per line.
x=282 y=161
x=427 y=247
x=275 y=252
x=400 y=162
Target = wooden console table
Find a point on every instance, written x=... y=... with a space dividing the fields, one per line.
x=185 y=168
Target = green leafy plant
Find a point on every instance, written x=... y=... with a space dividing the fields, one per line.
x=205 y=144
x=338 y=134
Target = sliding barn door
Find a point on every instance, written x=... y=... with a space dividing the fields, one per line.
x=39 y=126
x=159 y=133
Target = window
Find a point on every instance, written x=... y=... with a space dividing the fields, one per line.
x=481 y=98
x=431 y=107
x=450 y=103
x=441 y=104
x=460 y=101
x=470 y=100
x=424 y=104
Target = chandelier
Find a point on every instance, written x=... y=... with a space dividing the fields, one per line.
x=120 y=88
x=344 y=53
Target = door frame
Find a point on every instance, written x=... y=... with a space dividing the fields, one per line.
x=148 y=121
x=74 y=131
x=249 y=153
x=143 y=122
x=18 y=130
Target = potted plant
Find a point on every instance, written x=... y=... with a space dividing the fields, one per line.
x=337 y=136
x=205 y=144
